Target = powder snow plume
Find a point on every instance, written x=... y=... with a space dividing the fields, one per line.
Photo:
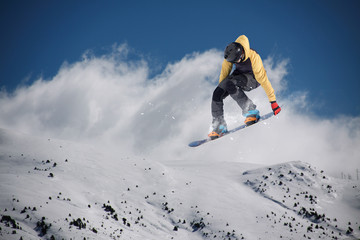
x=112 y=100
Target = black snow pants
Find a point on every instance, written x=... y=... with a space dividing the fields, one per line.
x=234 y=85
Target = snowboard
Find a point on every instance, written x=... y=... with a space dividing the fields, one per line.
x=200 y=142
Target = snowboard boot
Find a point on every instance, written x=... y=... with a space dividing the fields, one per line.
x=251 y=117
x=219 y=128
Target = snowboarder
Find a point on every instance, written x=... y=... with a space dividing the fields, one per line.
x=249 y=74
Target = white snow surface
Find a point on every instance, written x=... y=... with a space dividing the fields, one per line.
x=100 y=151
x=55 y=189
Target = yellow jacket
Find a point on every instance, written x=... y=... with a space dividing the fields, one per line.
x=257 y=67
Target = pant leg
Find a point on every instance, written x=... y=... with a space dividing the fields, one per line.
x=243 y=82
x=217 y=103
x=234 y=85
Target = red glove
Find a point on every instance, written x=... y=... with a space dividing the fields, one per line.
x=275 y=107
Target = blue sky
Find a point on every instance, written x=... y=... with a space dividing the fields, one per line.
x=320 y=38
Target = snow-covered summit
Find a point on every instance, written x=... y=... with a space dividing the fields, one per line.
x=52 y=189
x=307 y=193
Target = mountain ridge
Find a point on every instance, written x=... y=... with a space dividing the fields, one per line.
x=55 y=189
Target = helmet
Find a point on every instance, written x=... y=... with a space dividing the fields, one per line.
x=233 y=52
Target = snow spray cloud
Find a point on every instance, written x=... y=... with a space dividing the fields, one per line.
x=110 y=99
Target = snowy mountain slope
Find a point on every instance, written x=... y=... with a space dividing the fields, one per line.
x=53 y=189
x=300 y=189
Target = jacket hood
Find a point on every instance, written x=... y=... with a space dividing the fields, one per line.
x=244 y=41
